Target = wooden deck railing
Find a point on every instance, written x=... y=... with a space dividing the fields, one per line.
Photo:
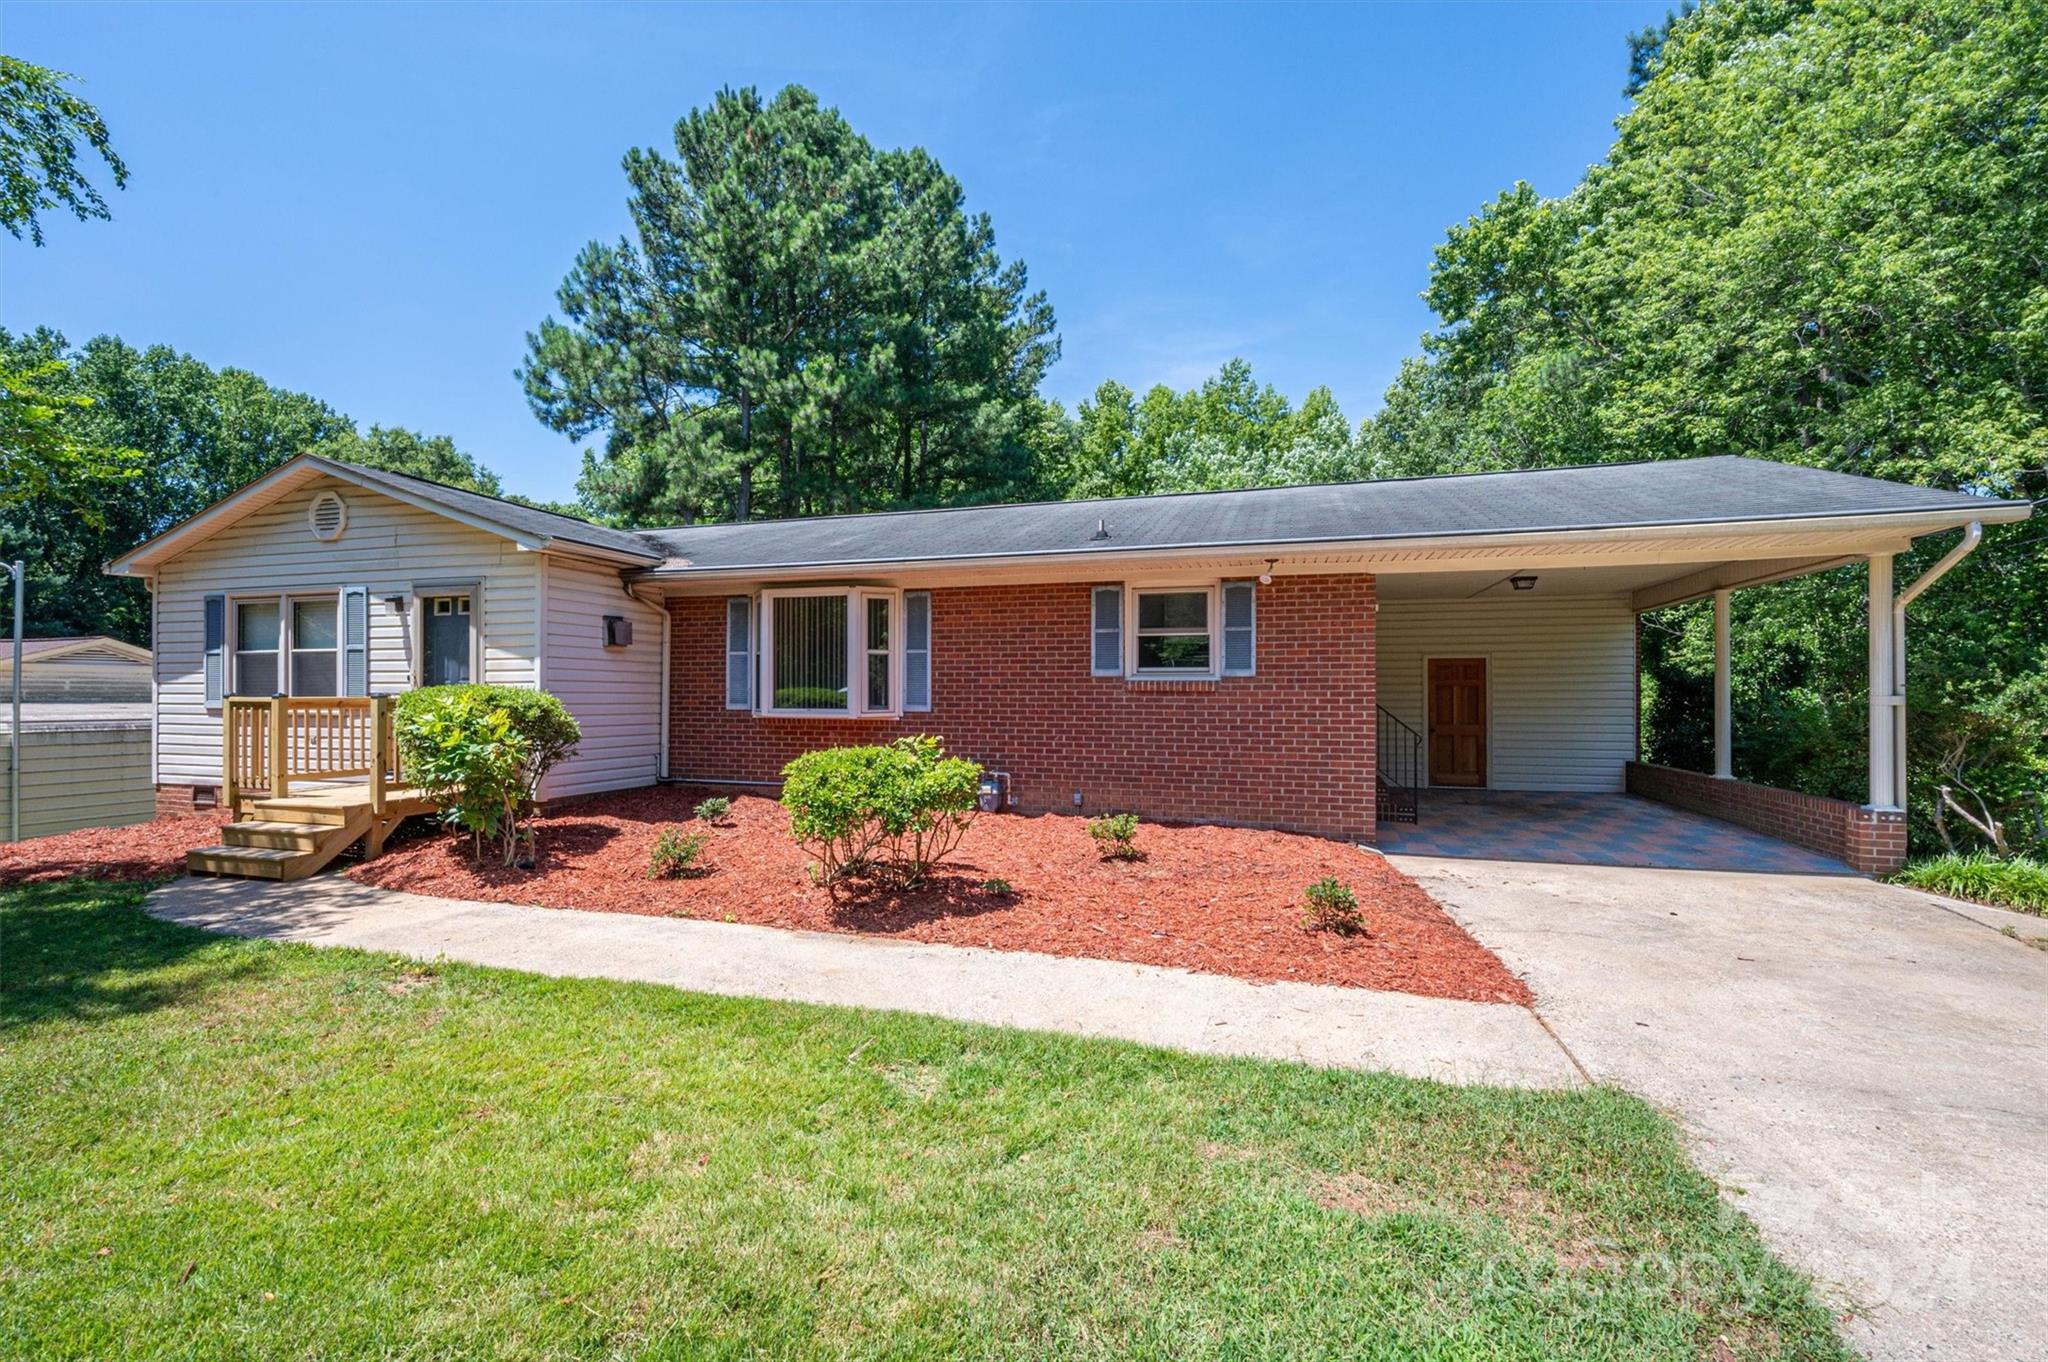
x=267 y=743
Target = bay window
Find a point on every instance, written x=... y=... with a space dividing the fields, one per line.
x=834 y=652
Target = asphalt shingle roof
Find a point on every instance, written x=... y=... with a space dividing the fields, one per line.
x=1587 y=497
x=511 y=514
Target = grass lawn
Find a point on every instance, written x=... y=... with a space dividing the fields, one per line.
x=220 y=1148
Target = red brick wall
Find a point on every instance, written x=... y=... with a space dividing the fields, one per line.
x=1870 y=840
x=1291 y=747
x=173 y=800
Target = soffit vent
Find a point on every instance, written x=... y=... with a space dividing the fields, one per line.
x=328 y=515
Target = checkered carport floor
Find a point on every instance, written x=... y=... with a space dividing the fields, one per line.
x=1590 y=829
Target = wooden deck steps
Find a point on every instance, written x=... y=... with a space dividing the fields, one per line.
x=294 y=836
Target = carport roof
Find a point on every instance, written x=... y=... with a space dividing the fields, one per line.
x=1724 y=490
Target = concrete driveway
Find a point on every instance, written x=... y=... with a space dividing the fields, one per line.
x=1865 y=1068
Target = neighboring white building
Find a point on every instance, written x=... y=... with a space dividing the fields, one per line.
x=90 y=670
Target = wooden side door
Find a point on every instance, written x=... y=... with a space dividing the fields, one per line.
x=1457 y=721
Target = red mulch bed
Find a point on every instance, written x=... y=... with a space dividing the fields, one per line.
x=142 y=851
x=1219 y=900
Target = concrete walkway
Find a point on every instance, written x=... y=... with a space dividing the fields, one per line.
x=1456 y=1042
x=1865 y=1066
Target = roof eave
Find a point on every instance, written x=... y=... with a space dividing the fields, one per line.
x=144 y=558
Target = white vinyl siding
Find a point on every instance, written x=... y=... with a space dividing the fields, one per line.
x=1561 y=687
x=615 y=693
x=386 y=547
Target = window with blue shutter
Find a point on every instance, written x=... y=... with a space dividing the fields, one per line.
x=1108 y=655
x=917 y=650
x=1240 y=614
x=739 y=653
x=355 y=640
x=216 y=611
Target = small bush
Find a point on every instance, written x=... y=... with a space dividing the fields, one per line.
x=1116 y=836
x=997 y=887
x=480 y=752
x=1332 y=907
x=809 y=697
x=676 y=854
x=2015 y=882
x=714 y=809
x=888 y=812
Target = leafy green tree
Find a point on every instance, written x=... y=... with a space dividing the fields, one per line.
x=1231 y=431
x=1815 y=239
x=798 y=323
x=41 y=127
x=398 y=450
x=42 y=455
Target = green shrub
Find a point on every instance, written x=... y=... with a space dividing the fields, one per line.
x=997 y=887
x=1116 y=836
x=809 y=697
x=1332 y=907
x=480 y=753
x=888 y=812
x=713 y=809
x=676 y=854
x=2014 y=882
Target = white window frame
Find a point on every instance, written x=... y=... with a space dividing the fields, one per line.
x=287 y=639
x=857 y=598
x=231 y=630
x=1210 y=587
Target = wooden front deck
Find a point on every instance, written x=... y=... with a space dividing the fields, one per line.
x=306 y=778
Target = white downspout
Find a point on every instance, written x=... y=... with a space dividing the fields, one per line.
x=660 y=607
x=1973 y=534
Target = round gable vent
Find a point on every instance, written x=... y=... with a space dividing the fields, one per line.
x=328 y=516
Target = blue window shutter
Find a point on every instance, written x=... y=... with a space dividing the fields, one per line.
x=1107 y=658
x=216 y=640
x=917 y=650
x=355 y=640
x=1240 y=632
x=739 y=653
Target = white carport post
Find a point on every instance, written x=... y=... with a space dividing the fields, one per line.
x=1884 y=700
x=1724 y=716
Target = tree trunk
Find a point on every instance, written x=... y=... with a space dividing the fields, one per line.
x=745 y=507
x=785 y=472
x=903 y=454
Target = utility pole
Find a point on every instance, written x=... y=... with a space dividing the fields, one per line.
x=14 y=730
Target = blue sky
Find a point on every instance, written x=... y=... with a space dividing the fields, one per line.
x=374 y=204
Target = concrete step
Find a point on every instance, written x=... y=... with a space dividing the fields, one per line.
x=278 y=836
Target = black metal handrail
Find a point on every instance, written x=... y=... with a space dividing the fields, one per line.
x=1400 y=769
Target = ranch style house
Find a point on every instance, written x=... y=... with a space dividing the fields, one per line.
x=1316 y=658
